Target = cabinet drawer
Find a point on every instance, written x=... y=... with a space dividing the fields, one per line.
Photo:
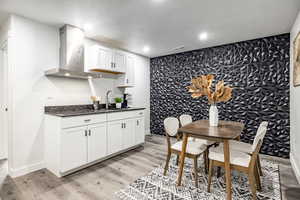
x=124 y=115
x=82 y=120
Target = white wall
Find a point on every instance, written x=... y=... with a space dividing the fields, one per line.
x=35 y=49
x=294 y=108
x=4 y=29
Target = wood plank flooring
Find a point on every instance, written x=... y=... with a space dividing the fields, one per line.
x=102 y=180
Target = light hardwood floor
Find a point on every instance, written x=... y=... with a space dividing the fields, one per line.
x=102 y=180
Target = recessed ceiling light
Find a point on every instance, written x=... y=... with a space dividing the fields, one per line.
x=158 y=1
x=87 y=27
x=146 y=49
x=67 y=74
x=203 y=36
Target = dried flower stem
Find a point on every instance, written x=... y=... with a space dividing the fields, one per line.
x=201 y=86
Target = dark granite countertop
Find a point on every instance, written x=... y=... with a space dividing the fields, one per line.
x=78 y=110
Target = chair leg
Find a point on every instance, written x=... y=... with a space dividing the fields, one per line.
x=259 y=166
x=251 y=178
x=167 y=163
x=210 y=173
x=206 y=160
x=177 y=160
x=257 y=177
x=196 y=171
x=218 y=172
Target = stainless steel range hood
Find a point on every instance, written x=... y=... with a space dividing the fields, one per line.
x=71 y=52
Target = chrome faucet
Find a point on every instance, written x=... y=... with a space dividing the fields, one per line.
x=107 y=102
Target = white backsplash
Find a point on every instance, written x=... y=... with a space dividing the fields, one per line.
x=73 y=91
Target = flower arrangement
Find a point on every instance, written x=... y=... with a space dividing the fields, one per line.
x=201 y=86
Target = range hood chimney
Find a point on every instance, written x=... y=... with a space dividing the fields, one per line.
x=71 y=55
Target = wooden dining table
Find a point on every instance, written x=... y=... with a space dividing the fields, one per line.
x=225 y=131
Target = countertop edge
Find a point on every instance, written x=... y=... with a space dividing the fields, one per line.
x=90 y=113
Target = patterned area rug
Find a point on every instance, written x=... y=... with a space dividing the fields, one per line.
x=156 y=186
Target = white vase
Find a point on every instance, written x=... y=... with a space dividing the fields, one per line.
x=213 y=115
x=118 y=105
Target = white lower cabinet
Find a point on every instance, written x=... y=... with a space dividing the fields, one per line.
x=114 y=139
x=75 y=142
x=139 y=130
x=128 y=135
x=73 y=148
x=82 y=145
x=121 y=135
x=97 y=142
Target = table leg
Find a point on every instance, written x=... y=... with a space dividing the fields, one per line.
x=182 y=157
x=227 y=169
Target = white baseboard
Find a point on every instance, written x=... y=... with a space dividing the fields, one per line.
x=26 y=169
x=147 y=132
x=295 y=166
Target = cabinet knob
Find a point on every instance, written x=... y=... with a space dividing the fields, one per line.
x=87 y=120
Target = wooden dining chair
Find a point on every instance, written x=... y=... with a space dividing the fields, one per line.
x=187 y=119
x=240 y=161
x=249 y=148
x=193 y=150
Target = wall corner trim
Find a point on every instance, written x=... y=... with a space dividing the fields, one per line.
x=26 y=169
x=295 y=166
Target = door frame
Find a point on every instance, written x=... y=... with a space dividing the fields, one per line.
x=4 y=100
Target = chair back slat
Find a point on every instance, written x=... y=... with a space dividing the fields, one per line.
x=255 y=154
x=185 y=119
x=171 y=125
x=260 y=134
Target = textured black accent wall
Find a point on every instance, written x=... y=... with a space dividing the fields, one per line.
x=257 y=69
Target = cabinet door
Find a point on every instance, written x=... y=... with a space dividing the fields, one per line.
x=97 y=142
x=105 y=58
x=139 y=130
x=119 y=61
x=129 y=78
x=73 y=148
x=114 y=136
x=128 y=135
x=91 y=58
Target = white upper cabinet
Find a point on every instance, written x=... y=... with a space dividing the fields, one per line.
x=99 y=58
x=127 y=80
x=119 y=61
x=105 y=59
